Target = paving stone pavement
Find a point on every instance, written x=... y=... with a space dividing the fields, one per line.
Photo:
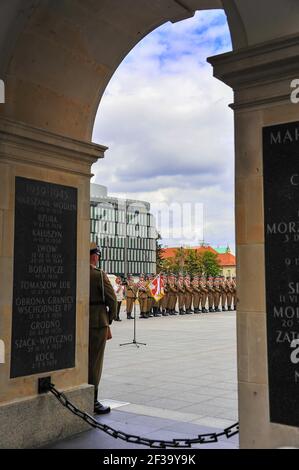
x=181 y=384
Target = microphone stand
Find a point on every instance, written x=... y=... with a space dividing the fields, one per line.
x=134 y=338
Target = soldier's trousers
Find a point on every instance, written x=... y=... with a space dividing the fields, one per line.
x=149 y=304
x=211 y=300
x=217 y=299
x=188 y=301
x=196 y=300
x=130 y=304
x=164 y=302
x=204 y=300
x=143 y=305
x=223 y=300
x=97 y=343
x=229 y=300
x=181 y=298
x=172 y=302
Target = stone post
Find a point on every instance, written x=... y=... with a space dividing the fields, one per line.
x=43 y=161
x=261 y=78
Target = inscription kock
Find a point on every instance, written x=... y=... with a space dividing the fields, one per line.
x=281 y=206
x=44 y=278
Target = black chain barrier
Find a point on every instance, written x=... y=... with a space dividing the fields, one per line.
x=153 y=443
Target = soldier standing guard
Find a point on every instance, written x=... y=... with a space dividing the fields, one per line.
x=188 y=294
x=181 y=294
x=234 y=300
x=150 y=299
x=142 y=296
x=172 y=295
x=131 y=295
x=101 y=297
x=217 y=294
x=196 y=294
x=210 y=287
x=160 y=302
x=229 y=290
x=204 y=293
x=223 y=293
x=164 y=300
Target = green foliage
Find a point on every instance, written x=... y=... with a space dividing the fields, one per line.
x=191 y=261
x=210 y=264
x=159 y=254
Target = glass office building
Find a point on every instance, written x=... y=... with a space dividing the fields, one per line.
x=125 y=231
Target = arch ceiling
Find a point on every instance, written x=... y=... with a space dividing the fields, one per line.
x=57 y=56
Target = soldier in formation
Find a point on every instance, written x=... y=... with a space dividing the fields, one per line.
x=195 y=294
x=130 y=295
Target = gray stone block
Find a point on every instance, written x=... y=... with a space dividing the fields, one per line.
x=37 y=421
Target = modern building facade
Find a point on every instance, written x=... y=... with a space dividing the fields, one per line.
x=125 y=230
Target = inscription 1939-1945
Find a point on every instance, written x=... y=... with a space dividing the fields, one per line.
x=44 y=280
x=281 y=203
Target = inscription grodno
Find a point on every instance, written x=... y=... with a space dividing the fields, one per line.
x=44 y=280
x=281 y=203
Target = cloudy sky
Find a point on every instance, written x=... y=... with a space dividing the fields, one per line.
x=169 y=131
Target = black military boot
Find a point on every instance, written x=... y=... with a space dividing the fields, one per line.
x=98 y=408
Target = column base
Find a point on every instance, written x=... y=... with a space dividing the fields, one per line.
x=35 y=422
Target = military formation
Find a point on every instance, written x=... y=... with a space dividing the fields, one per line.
x=184 y=295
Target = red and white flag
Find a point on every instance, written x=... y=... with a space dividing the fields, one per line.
x=157 y=288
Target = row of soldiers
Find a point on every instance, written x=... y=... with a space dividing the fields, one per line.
x=195 y=295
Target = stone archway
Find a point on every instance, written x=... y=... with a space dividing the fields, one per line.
x=56 y=60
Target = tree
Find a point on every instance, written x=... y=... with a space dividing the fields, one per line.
x=193 y=262
x=210 y=264
x=159 y=254
x=188 y=260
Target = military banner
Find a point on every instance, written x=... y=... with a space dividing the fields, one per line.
x=156 y=288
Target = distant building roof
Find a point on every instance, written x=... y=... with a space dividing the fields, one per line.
x=227 y=259
x=223 y=249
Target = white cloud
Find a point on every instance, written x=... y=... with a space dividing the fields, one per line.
x=168 y=126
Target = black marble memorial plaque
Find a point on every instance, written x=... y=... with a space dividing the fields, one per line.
x=44 y=278
x=281 y=205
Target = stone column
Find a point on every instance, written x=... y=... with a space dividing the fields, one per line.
x=26 y=418
x=261 y=78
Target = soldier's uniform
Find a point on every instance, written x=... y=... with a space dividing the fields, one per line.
x=229 y=290
x=101 y=297
x=142 y=296
x=160 y=302
x=188 y=294
x=150 y=300
x=164 y=300
x=210 y=287
x=223 y=289
x=172 y=295
x=181 y=294
x=196 y=294
x=234 y=299
x=217 y=294
x=204 y=293
x=131 y=296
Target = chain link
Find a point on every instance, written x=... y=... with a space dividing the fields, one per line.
x=153 y=443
